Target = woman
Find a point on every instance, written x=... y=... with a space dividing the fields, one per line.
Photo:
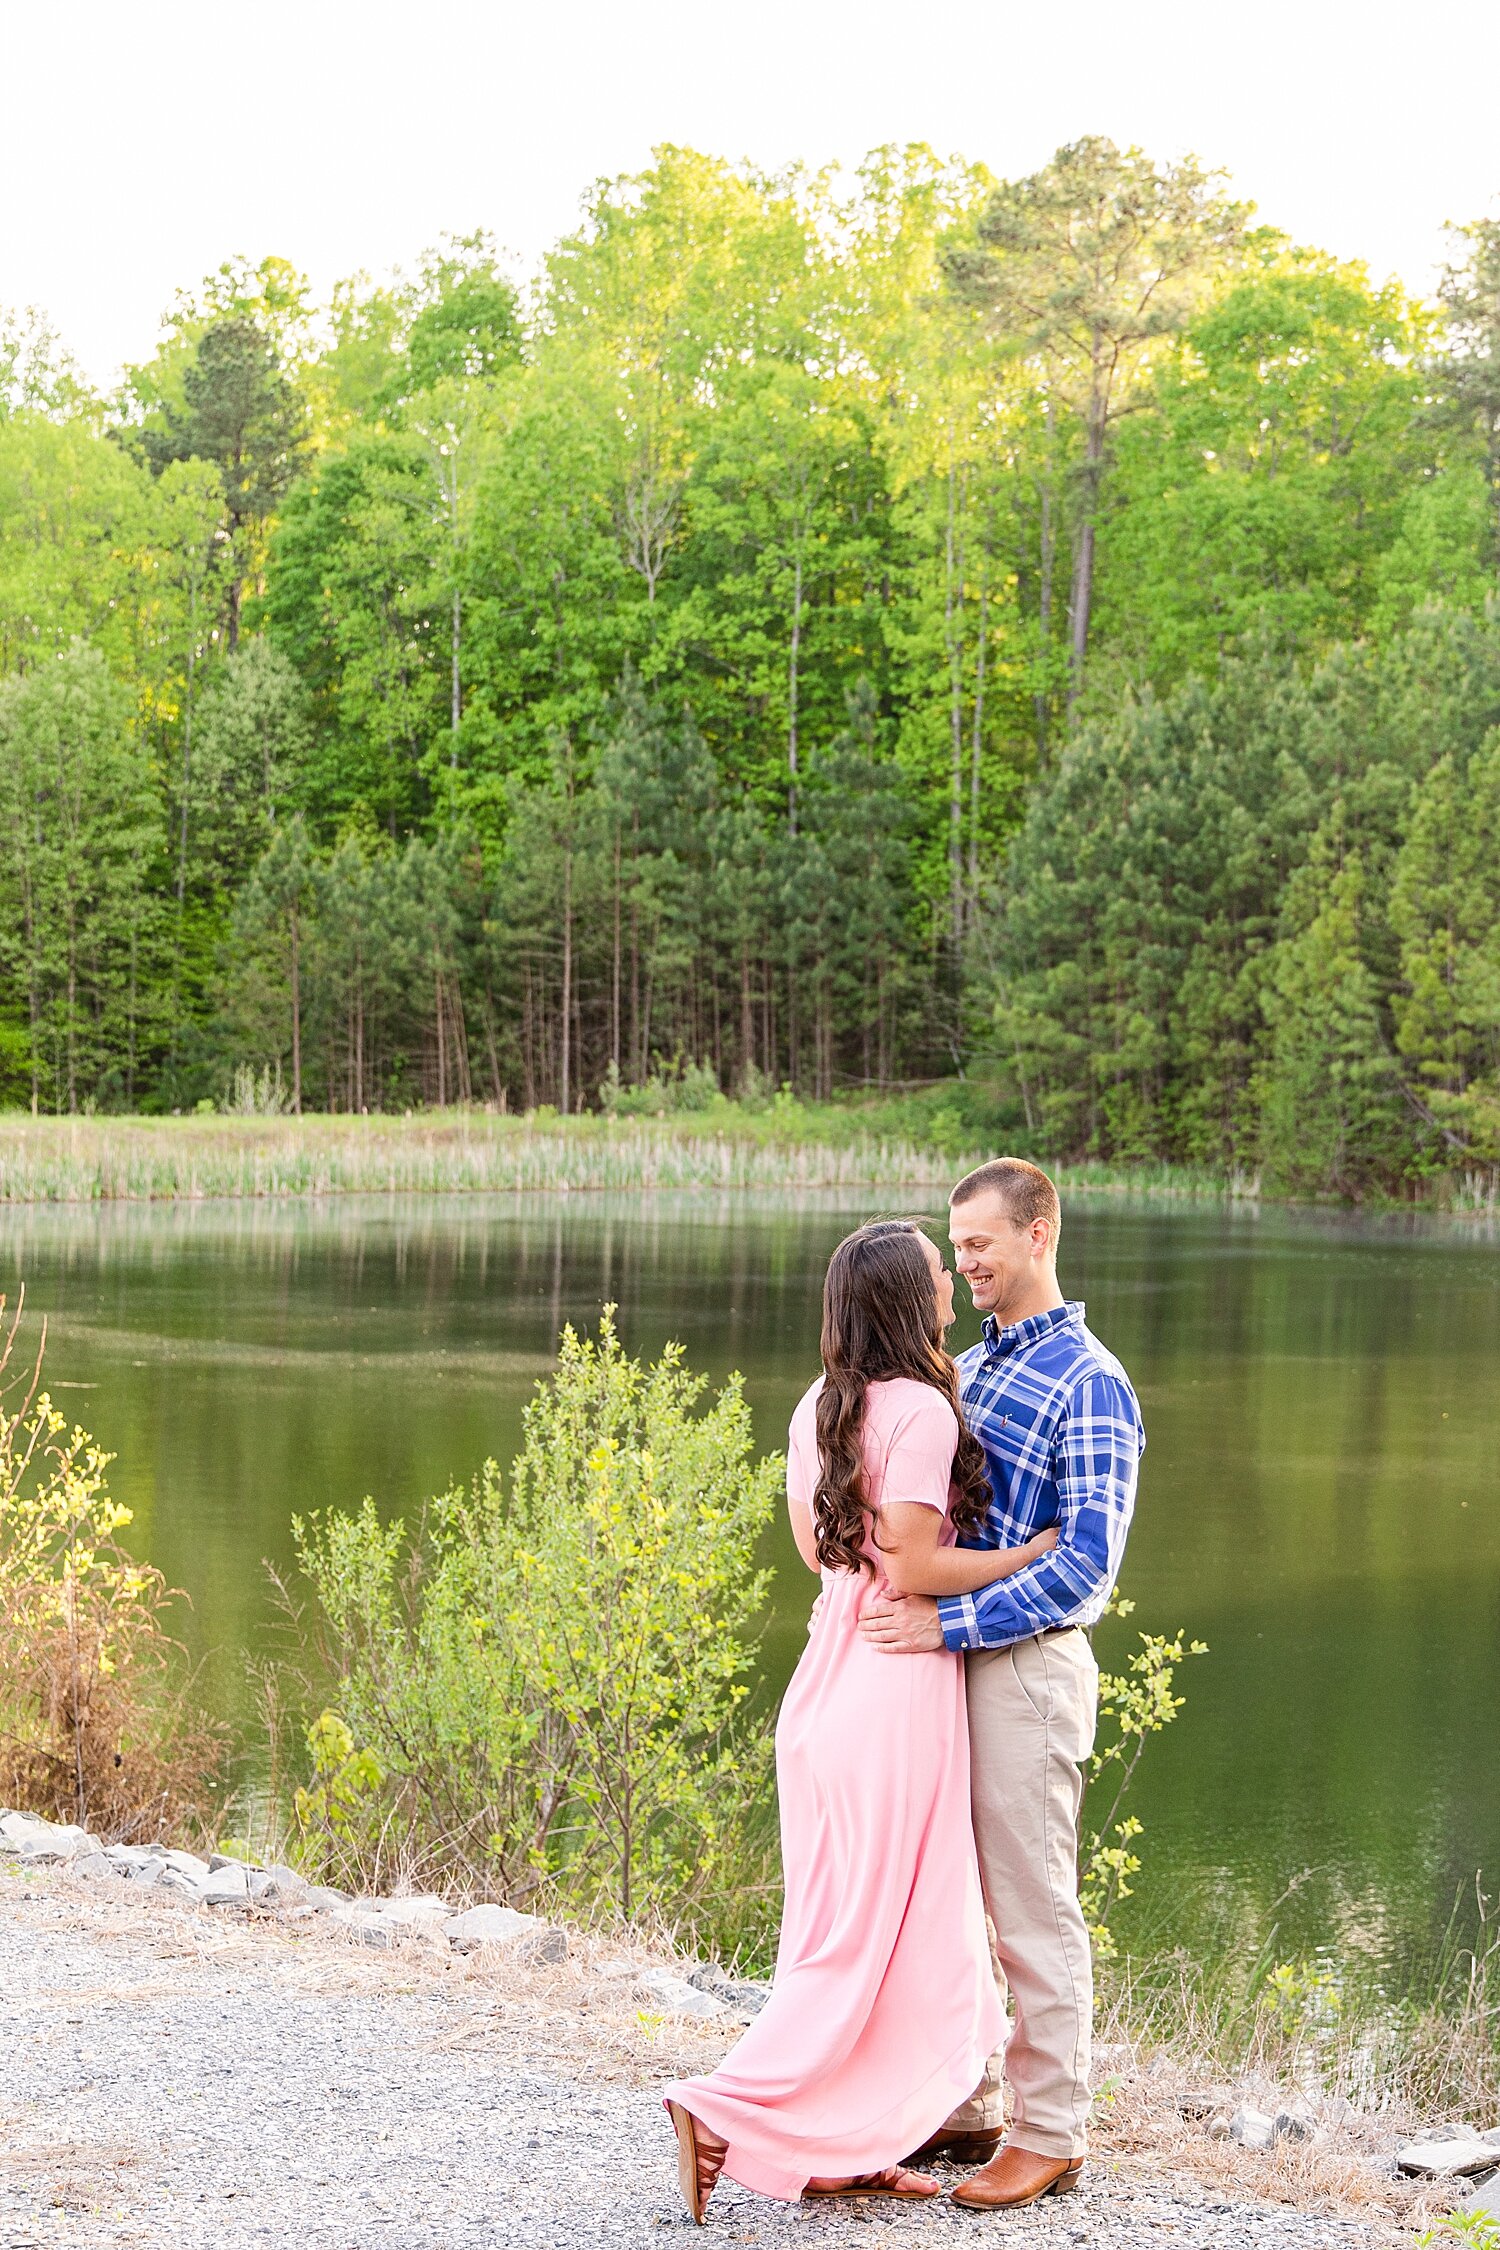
x=884 y=2007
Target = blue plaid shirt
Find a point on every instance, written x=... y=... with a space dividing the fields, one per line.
x=1062 y=1437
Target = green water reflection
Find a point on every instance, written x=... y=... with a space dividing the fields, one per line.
x=1320 y=1499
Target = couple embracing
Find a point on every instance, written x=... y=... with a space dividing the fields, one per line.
x=968 y=1520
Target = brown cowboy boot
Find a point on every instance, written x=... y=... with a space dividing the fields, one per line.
x=1016 y=2176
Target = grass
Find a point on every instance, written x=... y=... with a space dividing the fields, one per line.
x=431 y=1152
x=1181 y=2041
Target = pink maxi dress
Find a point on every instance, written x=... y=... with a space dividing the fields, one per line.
x=884 y=2008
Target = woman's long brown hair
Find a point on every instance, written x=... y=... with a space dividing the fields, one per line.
x=880 y=1322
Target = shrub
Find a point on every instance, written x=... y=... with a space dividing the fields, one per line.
x=94 y=1725
x=545 y=1691
x=1133 y=1705
x=672 y=1088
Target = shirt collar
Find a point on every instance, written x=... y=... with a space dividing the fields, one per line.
x=1040 y=1324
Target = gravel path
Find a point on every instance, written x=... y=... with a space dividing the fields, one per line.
x=170 y=2077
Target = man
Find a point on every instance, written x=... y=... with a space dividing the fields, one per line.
x=1062 y=1436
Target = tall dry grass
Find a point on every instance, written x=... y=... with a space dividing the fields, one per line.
x=96 y=1723
x=133 y=1159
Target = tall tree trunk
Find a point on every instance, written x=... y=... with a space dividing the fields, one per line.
x=72 y=1008
x=953 y=628
x=566 y=1025
x=1081 y=599
x=976 y=739
x=791 y=699
x=455 y=687
x=462 y=1079
x=614 y=982
x=747 y=1015
x=187 y=746
x=1047 y=560
x=33 y=996
x=528 y=1041
x=130 y=1019
x=296 y=1015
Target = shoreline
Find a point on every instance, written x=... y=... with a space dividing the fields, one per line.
x=165 y=2013
x=70 y=1162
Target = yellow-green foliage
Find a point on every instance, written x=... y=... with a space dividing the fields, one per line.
x=553 y=1681
x=91 y=1725
x=1133 y=1705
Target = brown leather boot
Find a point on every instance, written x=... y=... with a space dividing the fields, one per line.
x=964 y=2148
x=1015 y=2177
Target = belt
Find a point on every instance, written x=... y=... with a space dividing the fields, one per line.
x=1049 y=1632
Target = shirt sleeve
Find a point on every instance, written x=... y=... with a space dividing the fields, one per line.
x=802 y=1452
x=918 y=1466
x=1096 y=1462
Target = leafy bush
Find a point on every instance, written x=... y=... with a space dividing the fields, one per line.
x=545 y=1691
x=1133 y=1705
x=94 y=1726
x=673 y=1088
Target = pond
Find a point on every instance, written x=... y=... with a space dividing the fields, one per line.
x=1320 y=1496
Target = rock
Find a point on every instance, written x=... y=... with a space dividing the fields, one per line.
x=1251 y=2127
x=148 y=1874
x=283 y=1886
x=1296 y=2121
x=129 y=1856
x=90 y=1866
x=43 y=1840
x=1484 y=2200
x=746 y=1996
x=488 y=1925
x=368 y=1927
x=228 y=1884
x=418 y=1911
x=548 y=1946
x=1491 y=2138
x=216 y=1860
x=667 y=1995
x=1449 y=2158
x=172 y=1879
x=323 y=1898
x=408 y=1917
x=526 y=1936
x=187 y=1864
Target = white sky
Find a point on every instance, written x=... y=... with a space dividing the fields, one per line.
x=139 y=147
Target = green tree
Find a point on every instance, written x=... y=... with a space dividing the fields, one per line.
x=80 y=828
x=779 y=578
x=37 y=372
x=1265 y=477
x=1082 y=269
x=1470 y=297
x=75 y=538
x=275 y=917
x=350 y=602
x=254 y=742
x=1332 y=1110
x=468 y=324
x=242 y=413
x=1445 y=909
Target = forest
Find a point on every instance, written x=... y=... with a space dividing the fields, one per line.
x=831 y=631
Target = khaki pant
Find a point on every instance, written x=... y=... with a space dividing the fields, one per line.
x=1032 y=1711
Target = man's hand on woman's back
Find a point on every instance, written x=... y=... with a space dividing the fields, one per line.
x=903 y=1625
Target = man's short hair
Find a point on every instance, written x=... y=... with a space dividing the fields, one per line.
x=1025 y=1189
